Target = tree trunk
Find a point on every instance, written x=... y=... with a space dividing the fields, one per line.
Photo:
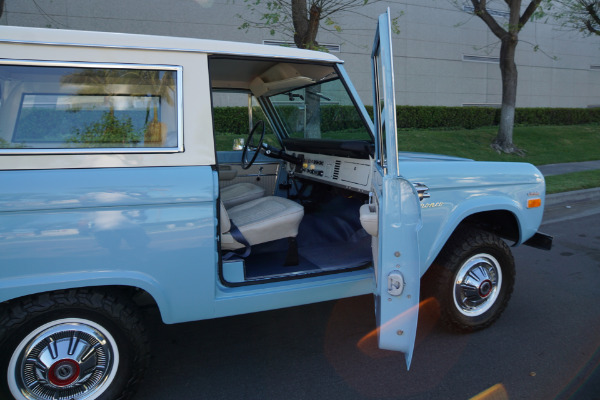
x=508 y=69
x=306 y=24
x=306 y=27
x=509 y=38
x=312 y=128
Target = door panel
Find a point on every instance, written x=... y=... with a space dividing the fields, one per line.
x=396 y=253
x=261 y=174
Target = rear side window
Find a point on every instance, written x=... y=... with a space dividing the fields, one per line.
x=75 y=107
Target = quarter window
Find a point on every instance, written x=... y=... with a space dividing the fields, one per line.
x=64 y=107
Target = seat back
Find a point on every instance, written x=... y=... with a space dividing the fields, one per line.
x=225 y=223
x=240 y=193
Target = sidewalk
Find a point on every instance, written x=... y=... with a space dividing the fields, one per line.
x=565 y=168
x=575 y=196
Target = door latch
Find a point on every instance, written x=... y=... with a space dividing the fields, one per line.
x=395 y=283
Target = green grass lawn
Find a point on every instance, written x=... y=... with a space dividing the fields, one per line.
x=542 y=144
x=573 y=181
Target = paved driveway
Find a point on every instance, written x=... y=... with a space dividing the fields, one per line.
x=546 y=344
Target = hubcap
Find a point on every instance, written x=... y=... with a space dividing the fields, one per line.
x=477 y=285
x=69 y=359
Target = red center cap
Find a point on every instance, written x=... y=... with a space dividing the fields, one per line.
x=485 y=288
x=63 y=372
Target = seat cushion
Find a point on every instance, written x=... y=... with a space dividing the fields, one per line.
x=239 y=193
x=264 y=220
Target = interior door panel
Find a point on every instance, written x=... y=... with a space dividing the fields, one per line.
x=261 y=174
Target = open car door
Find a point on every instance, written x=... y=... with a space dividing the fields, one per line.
x=396 y=246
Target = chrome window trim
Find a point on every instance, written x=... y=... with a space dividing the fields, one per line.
x=106 y=150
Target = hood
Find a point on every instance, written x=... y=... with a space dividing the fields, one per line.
x=413 y=156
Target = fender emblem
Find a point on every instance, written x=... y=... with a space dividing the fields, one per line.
x=432 y=205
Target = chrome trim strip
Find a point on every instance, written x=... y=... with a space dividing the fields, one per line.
x=90 y=150
x=105 y=150
x=83 y=64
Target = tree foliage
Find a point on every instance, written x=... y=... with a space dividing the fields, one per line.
x=579 y=15
x=106 y=81
x=110 y=129
x=298 y=19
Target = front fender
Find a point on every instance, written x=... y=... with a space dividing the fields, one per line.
x=438 y=230
x=459 y=189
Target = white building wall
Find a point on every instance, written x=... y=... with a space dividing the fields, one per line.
x=428 y=52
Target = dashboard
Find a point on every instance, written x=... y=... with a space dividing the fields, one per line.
x=348 y=173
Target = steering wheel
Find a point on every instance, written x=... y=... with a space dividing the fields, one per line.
x=245 y=163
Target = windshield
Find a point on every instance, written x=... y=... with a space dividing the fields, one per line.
x=320 y=111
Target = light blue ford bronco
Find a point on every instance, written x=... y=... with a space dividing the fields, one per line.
x=119 y=185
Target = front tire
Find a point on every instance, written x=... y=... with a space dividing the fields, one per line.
x=475 y=275
x=72 y=345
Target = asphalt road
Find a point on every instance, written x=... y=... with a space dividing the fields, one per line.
x=546 y=345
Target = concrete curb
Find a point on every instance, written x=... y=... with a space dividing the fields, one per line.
x=572 y=197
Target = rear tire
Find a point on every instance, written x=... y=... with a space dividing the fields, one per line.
x=71 y=345
x=474 y=279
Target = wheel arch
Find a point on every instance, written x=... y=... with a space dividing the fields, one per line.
x=136 y=292
x=503 y=223
x=502 y=220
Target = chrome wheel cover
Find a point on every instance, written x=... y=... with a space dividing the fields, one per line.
x=477 y=285
x=67 y=359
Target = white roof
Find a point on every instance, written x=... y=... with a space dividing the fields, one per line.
x=63 y=37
